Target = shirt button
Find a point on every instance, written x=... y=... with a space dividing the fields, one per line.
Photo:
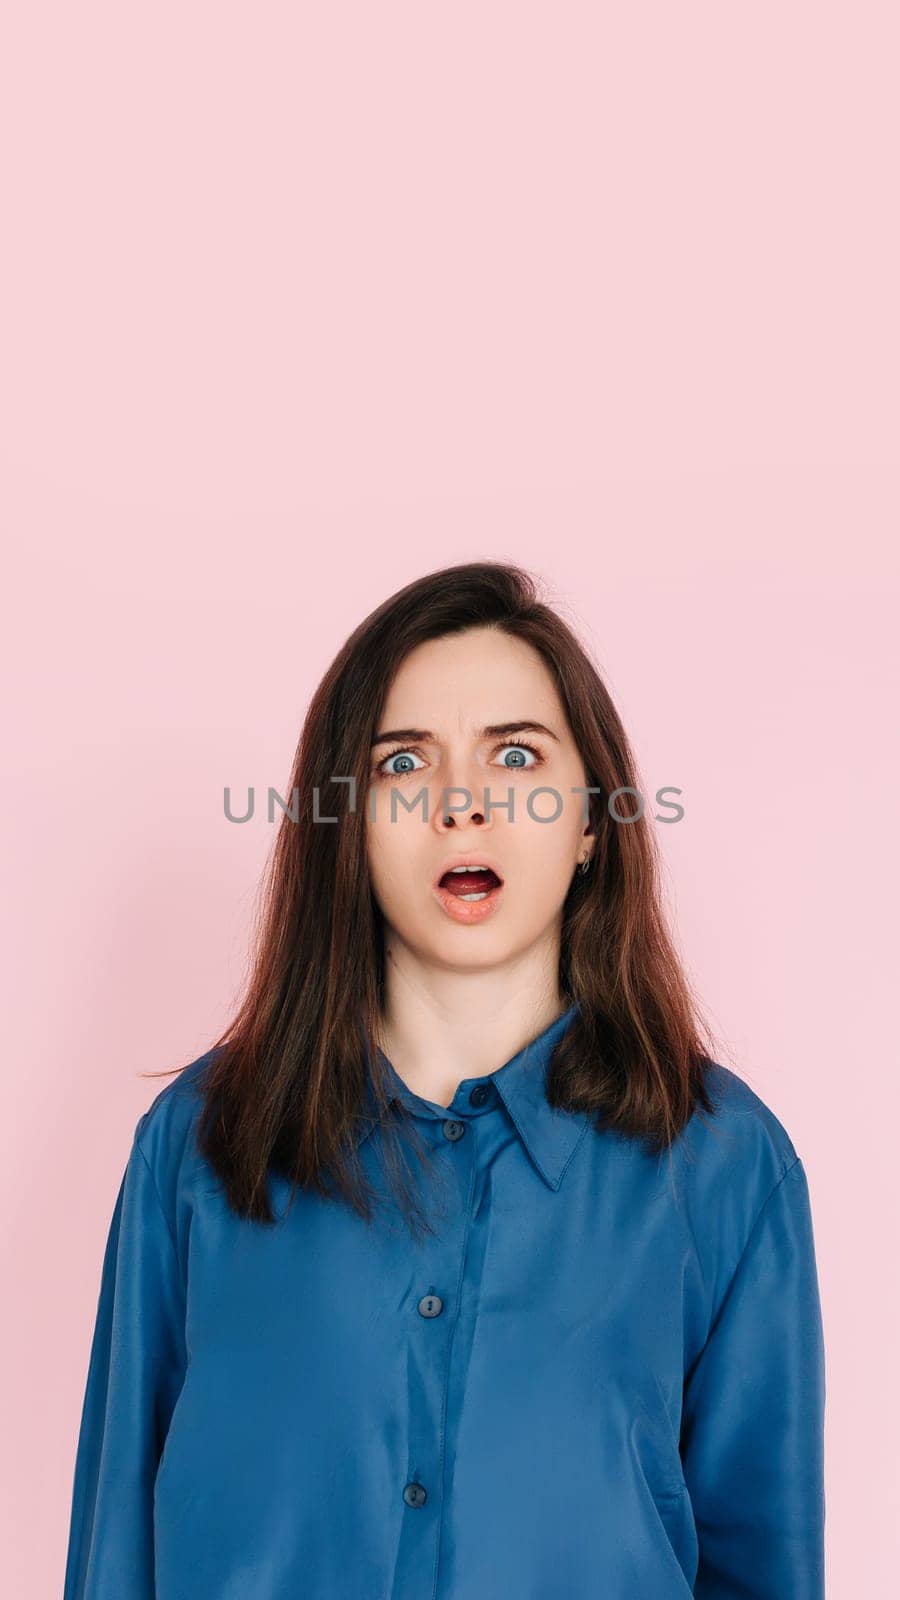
x=431 y=1305
x=480 y=1093
x=414 y=1494
x=454 y=1130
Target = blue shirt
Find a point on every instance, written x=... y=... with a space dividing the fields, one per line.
x=602 y=1377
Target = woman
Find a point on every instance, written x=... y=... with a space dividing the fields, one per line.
x=457 y=1267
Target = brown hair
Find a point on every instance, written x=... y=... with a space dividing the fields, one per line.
x=285 y=1082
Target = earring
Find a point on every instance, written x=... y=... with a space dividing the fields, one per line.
x=584 y=864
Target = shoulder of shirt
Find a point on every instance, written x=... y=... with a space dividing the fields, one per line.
x=736 y=1156
x=745 y=1119
x=730 y=1166
x=163 y=1133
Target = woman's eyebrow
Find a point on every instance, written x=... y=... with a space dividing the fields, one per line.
x=494 y=730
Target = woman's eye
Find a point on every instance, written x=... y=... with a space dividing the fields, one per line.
x=515 y=757
x=398 y=764
x=519 y=753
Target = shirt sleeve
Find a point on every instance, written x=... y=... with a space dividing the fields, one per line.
x=136 y=1369
x=753 y=1417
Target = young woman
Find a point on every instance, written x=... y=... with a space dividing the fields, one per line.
x=457 y=1268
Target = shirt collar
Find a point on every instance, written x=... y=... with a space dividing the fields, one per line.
x=550 y=1135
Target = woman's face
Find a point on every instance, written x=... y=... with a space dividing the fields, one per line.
x=476 y=786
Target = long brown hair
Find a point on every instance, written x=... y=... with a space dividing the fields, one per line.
x=285 y=1083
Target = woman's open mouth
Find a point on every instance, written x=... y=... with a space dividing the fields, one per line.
x=469 y=894
x=470 y=883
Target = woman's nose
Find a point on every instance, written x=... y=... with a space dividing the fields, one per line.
x=464 y=793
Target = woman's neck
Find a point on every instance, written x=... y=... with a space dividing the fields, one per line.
x=437 y=1033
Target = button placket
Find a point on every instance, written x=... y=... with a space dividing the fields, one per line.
x=430 y=1367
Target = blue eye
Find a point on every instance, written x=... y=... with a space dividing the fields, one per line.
x=517 y=751
x=398 y=764
x=388 y=771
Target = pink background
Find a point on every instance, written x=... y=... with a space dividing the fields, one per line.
x=302 y=302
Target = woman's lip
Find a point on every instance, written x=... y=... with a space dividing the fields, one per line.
x=468 y=912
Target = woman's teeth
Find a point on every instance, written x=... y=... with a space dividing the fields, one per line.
x=477 y=872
